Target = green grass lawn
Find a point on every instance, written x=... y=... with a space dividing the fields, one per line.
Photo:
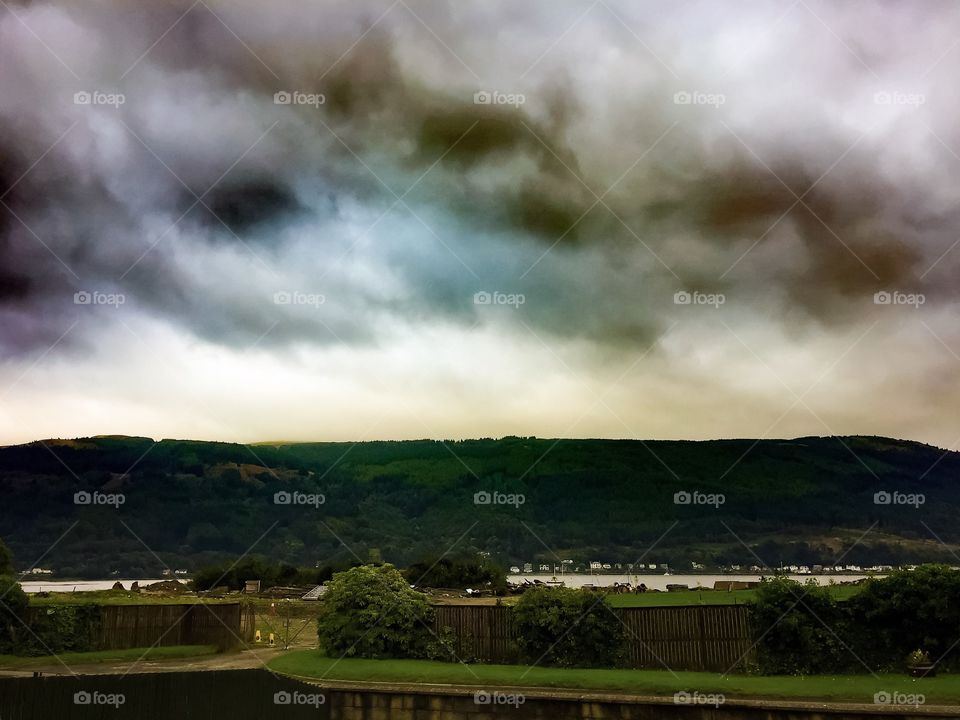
x=707 y=597
x=173 y=652
x=944 y=689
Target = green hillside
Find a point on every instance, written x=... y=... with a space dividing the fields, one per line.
x=799 y=501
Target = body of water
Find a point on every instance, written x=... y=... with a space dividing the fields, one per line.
x=660 y=582
x=34 y=586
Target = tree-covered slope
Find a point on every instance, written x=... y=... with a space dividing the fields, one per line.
x=804 y=500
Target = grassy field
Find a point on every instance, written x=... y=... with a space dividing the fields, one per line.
x=707 y=597
x=944 y=689
x=173 y=652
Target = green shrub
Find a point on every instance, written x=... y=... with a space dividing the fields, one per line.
x=13 y=605
x=906 y=611
x=567 y=627
x=370 y=611
x=61 y=628
x=800 y=629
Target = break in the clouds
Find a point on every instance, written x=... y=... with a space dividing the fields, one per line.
x=414 y=218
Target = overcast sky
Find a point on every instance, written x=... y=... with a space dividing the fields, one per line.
x=354 y=220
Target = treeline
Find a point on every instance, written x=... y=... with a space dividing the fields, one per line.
x=234 y=575
x=457 y=572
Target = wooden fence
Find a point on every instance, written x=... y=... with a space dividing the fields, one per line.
x=135 y=626
x=710 y=637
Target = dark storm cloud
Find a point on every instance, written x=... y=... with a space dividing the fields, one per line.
x=504 y=184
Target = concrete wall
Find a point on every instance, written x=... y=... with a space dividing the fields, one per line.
x=254 y=694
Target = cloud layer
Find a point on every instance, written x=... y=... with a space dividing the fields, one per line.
x=722 y=191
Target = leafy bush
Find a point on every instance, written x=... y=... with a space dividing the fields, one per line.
x=370 y=611
x=567 y=627
x=907 y=610
x=13 y=604
x=799 y=629
x=62 y=628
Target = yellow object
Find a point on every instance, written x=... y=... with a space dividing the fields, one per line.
x=271 y=639
x=256 y=636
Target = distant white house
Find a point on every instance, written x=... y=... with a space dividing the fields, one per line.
x=544 y=568
x=514 y=569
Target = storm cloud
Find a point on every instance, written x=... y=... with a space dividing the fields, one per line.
x=348 y=175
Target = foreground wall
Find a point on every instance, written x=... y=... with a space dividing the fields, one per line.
x=257 y=694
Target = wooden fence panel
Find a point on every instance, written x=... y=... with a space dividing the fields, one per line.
x=708 y=637
x=132 y=626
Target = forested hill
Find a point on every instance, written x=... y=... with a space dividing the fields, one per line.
x=803 y=500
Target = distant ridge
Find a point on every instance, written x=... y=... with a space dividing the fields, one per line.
x=804 y=500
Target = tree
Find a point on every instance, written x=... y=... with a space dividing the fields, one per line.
x=567 y=627
x=370 y=611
